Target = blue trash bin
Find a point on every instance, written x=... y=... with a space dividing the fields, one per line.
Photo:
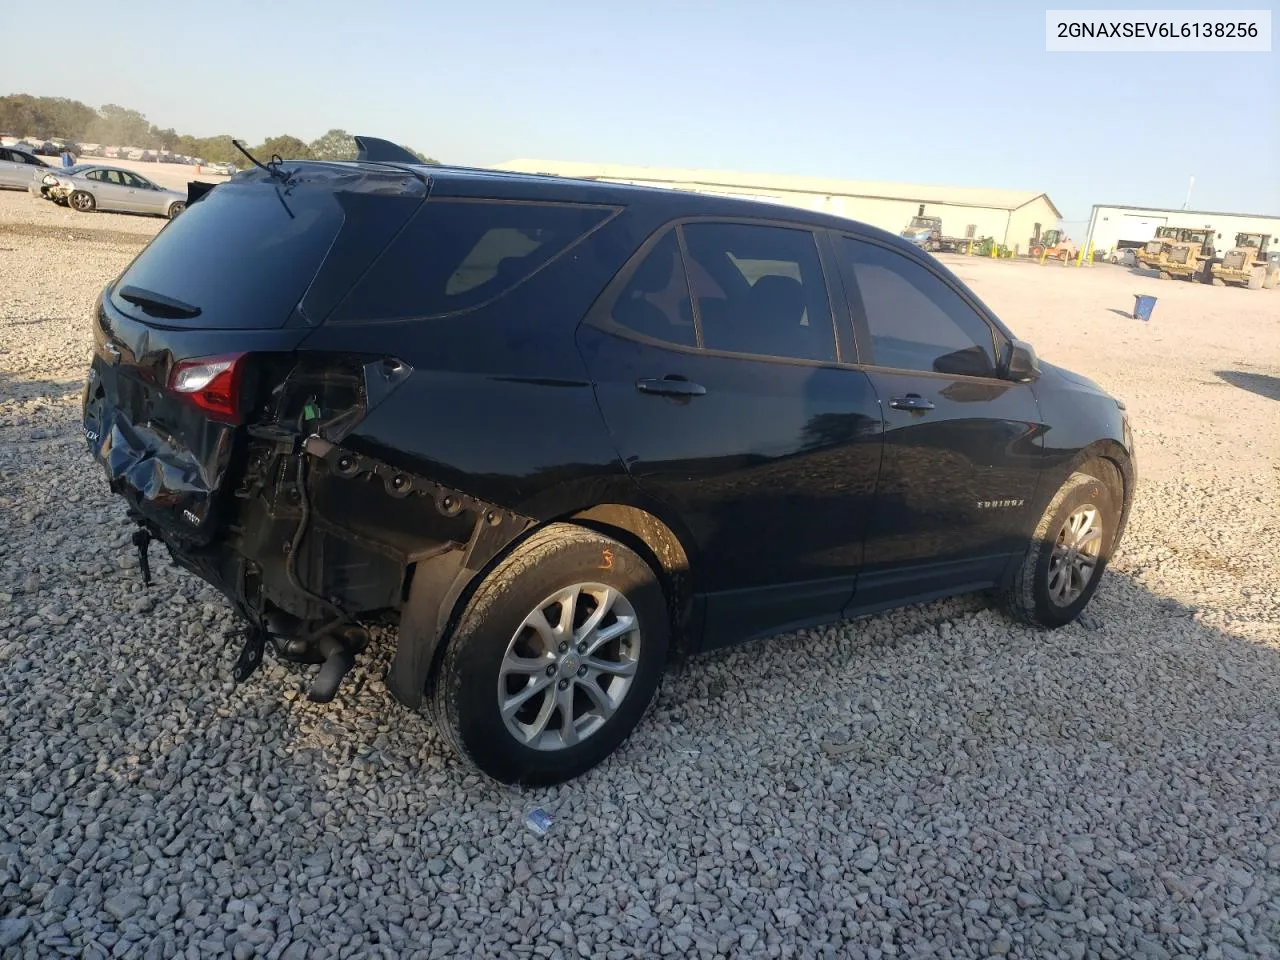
x=1142 y=306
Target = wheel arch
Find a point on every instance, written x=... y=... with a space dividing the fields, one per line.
x=442 y=586
x=1113 y=465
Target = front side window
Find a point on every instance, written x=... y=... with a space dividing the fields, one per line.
x=458 y=254
x=915 y=321
x=760 y=290
x=655 y=300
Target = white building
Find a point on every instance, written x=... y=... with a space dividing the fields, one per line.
x=1010 y=217
x=1113 y=225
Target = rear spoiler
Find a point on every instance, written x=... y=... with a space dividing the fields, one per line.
x=197 y=189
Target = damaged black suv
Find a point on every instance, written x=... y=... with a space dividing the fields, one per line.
x=556 y=430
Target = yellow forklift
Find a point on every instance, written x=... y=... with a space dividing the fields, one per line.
x=1246 y=263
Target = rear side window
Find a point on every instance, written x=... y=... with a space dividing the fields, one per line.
x=760 y=290
x=655 y=301
x=916 y=321
x=458 y=254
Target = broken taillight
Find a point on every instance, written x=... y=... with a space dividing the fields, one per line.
x=211 y=383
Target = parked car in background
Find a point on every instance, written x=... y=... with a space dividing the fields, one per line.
x=704 y=419
x=19 y=168
x=89 y=186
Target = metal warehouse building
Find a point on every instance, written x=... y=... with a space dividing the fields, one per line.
x=1011 y=217
x=1112 y=225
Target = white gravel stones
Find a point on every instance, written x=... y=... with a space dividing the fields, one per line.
x=930 y=782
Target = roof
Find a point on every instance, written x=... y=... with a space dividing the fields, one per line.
x=785 y=183
x=1190 y=213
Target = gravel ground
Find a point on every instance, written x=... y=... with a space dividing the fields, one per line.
x=930 y=782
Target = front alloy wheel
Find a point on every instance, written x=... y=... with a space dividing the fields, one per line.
x=1075 y=554
x=1067 y=554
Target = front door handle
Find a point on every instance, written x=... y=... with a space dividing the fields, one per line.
x=912 y=401
x=671 y=386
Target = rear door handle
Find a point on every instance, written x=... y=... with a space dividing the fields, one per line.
x=671 y=387
x=912 y=401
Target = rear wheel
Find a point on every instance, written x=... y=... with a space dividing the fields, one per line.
x=176 y=208
x=1036 y=251
x=1067 y=555
x=82 y=201
x=1256 y=276
x=554 y=660
x=1165 y=275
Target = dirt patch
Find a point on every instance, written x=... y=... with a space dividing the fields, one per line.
x=75 y=234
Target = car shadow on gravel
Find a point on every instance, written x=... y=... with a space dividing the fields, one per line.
x=1264 y=385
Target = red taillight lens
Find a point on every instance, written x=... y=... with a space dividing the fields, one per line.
x=211 y=383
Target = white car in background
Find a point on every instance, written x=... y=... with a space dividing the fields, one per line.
x=91 y=186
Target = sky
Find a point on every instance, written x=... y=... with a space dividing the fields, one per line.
x=940 y=93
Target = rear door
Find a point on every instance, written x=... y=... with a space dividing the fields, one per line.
x=720 y=373
x=963 y=447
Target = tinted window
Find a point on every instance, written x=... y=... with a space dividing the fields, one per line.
x=239 y=254
x=655 y=301
x=916 y=321
x=96 y=175
x=457 y=254
x=760 y=290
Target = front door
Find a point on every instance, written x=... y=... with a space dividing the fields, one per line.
x=732 y=410
x=143 y=195
x=963 y=447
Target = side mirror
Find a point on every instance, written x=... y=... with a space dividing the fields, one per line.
x=1020 y=363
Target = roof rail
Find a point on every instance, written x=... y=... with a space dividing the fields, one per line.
x=382 y=151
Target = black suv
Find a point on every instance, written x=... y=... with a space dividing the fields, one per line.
x=556 y=430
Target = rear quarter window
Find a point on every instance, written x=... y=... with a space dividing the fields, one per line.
x=455 y=255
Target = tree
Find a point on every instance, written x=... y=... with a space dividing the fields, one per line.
x=121 y=126
x=285 y=146
x=334 y=145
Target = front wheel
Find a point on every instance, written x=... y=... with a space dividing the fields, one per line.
x=82 y=201
x=1067 y=555
x=554 y=660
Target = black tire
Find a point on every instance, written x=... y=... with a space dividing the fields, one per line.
x=1028 y=597
x=176 y=208
x=82 y=202
x=462 y=697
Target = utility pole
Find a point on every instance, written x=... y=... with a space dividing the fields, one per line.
x=1186 y=204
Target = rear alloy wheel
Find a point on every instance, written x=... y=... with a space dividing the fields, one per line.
x=554 y=660
x=1067 y=555
x=176 y=208
x=82 y=201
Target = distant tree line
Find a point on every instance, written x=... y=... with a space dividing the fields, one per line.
x=22 y=114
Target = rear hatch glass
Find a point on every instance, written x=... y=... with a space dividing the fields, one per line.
x=237 y=259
